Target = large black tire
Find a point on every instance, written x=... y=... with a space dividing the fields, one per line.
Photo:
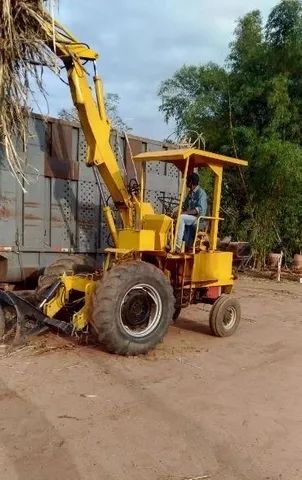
x=72 y=263
x=225 y=316
x=133 y=307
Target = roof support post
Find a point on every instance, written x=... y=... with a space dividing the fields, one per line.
x=218 y=170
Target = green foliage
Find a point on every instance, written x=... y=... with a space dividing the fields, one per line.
x=112 y=101
x=284 y=24
x=193 y=97
x=252 y=108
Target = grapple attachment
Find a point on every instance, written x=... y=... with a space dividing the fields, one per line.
x=19 y=319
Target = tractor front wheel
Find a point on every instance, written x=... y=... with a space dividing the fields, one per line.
x=225 y=316
x=132 y=308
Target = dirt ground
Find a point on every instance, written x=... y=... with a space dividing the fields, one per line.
x=198 y=407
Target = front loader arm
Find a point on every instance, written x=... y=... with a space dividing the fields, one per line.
x=92 y=113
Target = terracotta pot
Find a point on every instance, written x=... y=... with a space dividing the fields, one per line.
x=273 y=259
x=297 y=263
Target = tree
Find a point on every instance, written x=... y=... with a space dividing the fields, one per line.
x=195 y=98
x=252 y=107
x=69 y=114
x=284 y=25
x=112 y=101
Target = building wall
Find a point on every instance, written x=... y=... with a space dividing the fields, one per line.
x=61 y=210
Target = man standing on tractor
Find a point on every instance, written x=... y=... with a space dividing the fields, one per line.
x=195 y=205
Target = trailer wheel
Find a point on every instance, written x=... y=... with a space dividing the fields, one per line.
x=2 y=322
x=225 y=316
x=72 y=263
x=133 y=307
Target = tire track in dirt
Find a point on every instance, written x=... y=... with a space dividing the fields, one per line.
x=34 y=448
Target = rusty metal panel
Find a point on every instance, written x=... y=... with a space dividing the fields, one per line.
x=59 y=161
x=46 y=213
x=117 y=142
x=89 y=213
x=33 y=214
x=85 y=173
x=19 y=147
x=172 y=172
x=3 y=163
x=89 y=206
x=37 y=132
x=18 y=266
x=8 y=209
x=162 y=179
x=75 y=144
x=82 y=153
x=153 y=196
x=134 y=147
x=35 y=149
x=63 y=214
x=157 y=168
x=34 y=153
x=34 y=158
x=163 y=183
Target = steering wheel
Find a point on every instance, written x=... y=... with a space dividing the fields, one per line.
x=133 y=187
x=169 y=204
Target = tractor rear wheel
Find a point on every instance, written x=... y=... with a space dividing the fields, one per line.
x=133 y=307
x=225 y=316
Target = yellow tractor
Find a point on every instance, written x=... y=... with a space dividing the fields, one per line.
x=145 y=281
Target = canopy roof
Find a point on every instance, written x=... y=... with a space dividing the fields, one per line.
x=198 y=158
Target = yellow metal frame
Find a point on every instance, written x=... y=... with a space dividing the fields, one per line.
x=85 y=285
x=181 y=201
x=218 y=171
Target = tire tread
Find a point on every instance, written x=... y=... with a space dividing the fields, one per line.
x=105 y=298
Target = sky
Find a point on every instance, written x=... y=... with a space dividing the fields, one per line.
x=143 y=42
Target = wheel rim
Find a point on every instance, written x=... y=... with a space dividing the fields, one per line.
x=140 y=310
x=230 y=318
